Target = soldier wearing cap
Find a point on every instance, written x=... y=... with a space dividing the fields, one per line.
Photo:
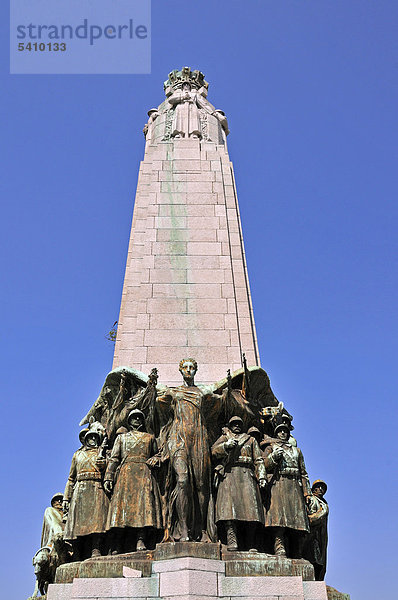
x=52 y=521
x=240 y=471
x=288 y=493
x=316 y=545
x=85 y=501
x=135 y=507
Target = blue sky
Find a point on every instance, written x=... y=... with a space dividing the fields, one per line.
x=310 y=90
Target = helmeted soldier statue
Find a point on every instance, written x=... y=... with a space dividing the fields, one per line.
x=240 y=472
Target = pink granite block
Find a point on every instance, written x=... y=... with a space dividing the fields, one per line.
x=130 y=587
x=171 y=222
x=59 y=591
x=190 y=563
x=241 y=294
x=144 y=278
x=128 y=324
x=203 y=248
x=222 y=235
x=229 y=190
x=230 y=202
x=171 y=198
x=202 y=235
x=187 y=321
x=227 y=290
x=236 y=252
x=231 y=321
x=228 y=276
x=198 y=222
x=208 y=337
x=218 y=187
x=200 y=305
x=140 y=292
x=223 y=222
x=201 y=198
x=247 y=341
x=132 y=339
x=250 y=356
x=234 y=356
x=187 y=290
x=220 y=211
x=195 y=262
x=175 y=235
x=168 y=276
x=186 y=165
x=315 y=590
x=200 y=210
x=228 y=180
x=205 y=165
x=255 y=587
x=202 y=354
x=167 y=305
x=215 y=165
x=148 y=262
x=165 y=337
x=172 y=247
x=202 y=176
x=235 y=238
x=225 y=249
x=245 y=325
x=225 y=262
x=130 y=356
x=142 y=321
x=233 y=337
x=187 y=583
x=205 y=276
x=199 y=187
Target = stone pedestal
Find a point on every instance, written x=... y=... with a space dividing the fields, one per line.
x=188 y=578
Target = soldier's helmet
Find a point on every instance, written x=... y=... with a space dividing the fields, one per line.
x=319 y=482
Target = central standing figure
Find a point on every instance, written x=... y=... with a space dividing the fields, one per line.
x=185 y=443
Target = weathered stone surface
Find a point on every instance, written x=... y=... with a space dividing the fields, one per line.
x=67 y=572
x=182 y=549
x=254 y=587
x=59 y=591
x=190 y=563
x=243 y=564
x=333 y=594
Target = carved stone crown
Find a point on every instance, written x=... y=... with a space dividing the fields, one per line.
x=194 y=78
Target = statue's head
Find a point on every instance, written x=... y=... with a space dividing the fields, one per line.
x=136 y=420
x=82 y=435
x=235 y=424
x=319 y=488
x=282 y=432
x=92 y=439
x=56 y=501
x=255 y=433
x=188 y=368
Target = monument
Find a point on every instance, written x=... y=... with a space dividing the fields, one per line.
x=188 y=483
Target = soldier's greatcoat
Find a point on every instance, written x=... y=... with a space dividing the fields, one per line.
x=135 y=501
x=89 y=503
x=238 y=495
x=288 y=484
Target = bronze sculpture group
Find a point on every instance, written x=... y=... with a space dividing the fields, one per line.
x=158 y=464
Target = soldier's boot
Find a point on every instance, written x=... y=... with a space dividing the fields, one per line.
x=232 y=536
x=95 y=548
x=141 y=539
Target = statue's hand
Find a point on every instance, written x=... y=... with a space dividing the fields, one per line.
x=231 y=443
x=277 y=454
x=262 y=483
x=153 y=461
x=65 y=506
x=108 y=486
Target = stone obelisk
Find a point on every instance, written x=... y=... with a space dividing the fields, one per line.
x=186 y=288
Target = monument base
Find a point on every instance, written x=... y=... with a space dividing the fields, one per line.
x=188 y=578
